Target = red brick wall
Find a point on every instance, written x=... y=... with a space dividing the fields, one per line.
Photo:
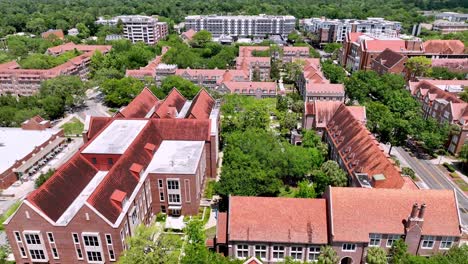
x=102 y=160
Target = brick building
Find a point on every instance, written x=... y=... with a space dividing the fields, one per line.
x=358 y=153
x=256 y=89
x=317 y=113
x=130 y=169
x=290 y=53
x=440 y=101
x=389 y=61
x=25 y=82
x=351 y=220
x=24 y=150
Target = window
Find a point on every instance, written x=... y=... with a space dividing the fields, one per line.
x=94 y=160
x=91 y=241
x=163 y=209
x=55 y=253
x=110 y=247
x=349 y=247
x=51 y=237
x=160 y=183
x=108 y=239
x=111 y=255
x=37 y=254
x=174 y=198
x=187 y=191
x=374 y=240
x=172 y=185
x=23 y=252
x=94 y=256
x=110 y=161
x=17 y=236
x=32 y=239
x=161 y=196
x=261 y=252
x=278 y=252
x=314 y=253
x=242 y=251
x=391 y=239
x=296 y=253
x=76 y=242
x=75 y=238
x=428 y=242
x=446 y=242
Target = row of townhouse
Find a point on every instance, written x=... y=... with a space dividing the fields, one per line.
x=440 y=101
x=134 y=165
x=242 y=26
x=350 y=220
x=313 y=85
x=26 y=82
x=361 y=50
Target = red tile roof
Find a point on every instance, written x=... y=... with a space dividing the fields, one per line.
x=380 y=45
x=189 y=34
x=237 y=87
x=141 y=105
x=357 y=212
x=58 y=193
x=221 y=228
x=325 y=88
x=174 y=101
x=353 y=36
x=389 y=58
x=274 y=219
x=96 y=124
x=58 y=33
x=444 y=47
x=201 y=106
x=360 y=151
x=323 y=111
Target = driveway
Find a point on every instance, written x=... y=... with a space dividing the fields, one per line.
x=435 y=178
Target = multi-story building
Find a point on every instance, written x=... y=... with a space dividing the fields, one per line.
x=453 y=65
x=242 y=26
x=452 y=16
x=389 y=61
x=446 y=27
x=290 y=53
x=447 y=49
x=360 y=49
x=256 y=89
x=25 y=150
x=358 y=153
x=143 y=28
x=335 y=30
x=25 y=82
x=350 y=220
x=140 y=162
x=317 y=113
x=440 y=101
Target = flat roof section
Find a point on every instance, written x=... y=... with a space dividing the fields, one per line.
x=16 y=143
x=116 y=138
x=176 y=157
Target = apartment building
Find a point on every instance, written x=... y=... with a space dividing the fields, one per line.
x=26 y=82
x=440 y=101
x=242 y=26
x=289 y=53
x=335 y=30
x=446 y=27
x=358 y=153
x=350 y=220
x=452 y=16
x=133 y=165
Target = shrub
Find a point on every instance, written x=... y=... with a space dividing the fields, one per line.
x=160 y=217
x=449 y=167
x=408 y=171
x=454 y=175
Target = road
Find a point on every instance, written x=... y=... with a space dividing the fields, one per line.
x=434 y=178
x=93 y=105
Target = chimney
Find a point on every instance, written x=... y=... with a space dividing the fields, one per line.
x=414 y=211
x=422 y=211
x=136 y=170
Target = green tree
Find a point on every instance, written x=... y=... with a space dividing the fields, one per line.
x=147 y=245
x=201 y=38
x=418 y=66
x=43 y=178
x=337 y=176
x=328 y=256
x=83 y=30
x=36 y=25
x=310 y=139
x=331 y=47
x=288 y=121
x=119 y=92
x=376 y=255
x=53 y=106
x=398 y=252
x=294 y=37
x=185 y=87
x=305 y=190
x=334 y=73
x=463 y=155
x=70 y=89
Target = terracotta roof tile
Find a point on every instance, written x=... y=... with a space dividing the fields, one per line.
x=189 y=34
x=221 y=228
x=323 y=111
x=174 y=101
x=357 y=212
x=96 y=124
x=444 y=47
x=201 y=106
x=289 y=220
x=389 y=58
x=141 y=105
x=360 y=151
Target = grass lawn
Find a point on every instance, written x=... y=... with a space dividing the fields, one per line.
x=74 y=127
x=8 y=213
x=461 y=183
x=209 y=189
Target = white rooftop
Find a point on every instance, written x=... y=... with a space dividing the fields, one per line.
x=16 y=143
x=116 y=138
x=176 y=157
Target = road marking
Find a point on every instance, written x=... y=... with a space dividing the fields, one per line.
x=418 y=162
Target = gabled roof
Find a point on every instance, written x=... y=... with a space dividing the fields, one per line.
x=171 y=105
x=277 y=220
x=140 y=105
x=358 y=212
x=360 y=151
x=96 y=124
x=201 y=105
x=323 y=111
x=389 y=58
x=189 y=34
x=444 y=47
x=57 y=194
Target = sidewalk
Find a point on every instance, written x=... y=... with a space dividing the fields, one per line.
x=443 y=159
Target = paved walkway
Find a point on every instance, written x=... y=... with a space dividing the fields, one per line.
x=213 y=218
